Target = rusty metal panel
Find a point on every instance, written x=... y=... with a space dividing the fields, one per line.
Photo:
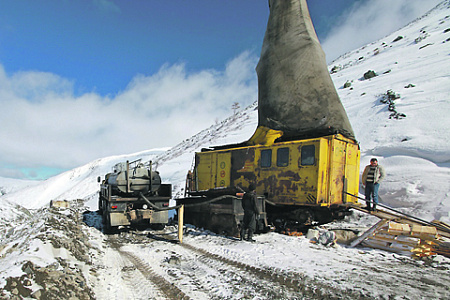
x=337 y=170
x=147 y=215
x=243 y=166
x=206 y=170
x=352 y=172
x=309 y=193
x=144 y=214
x=159 y=217
x=323 y=178
x=118 y=219
x=344 y=170
x=288 y=181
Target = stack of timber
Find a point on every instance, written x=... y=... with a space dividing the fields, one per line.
x=442 y=247
x=411 y=240
x=416 y=241
x=404 y=234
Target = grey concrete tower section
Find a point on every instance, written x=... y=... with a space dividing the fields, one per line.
x=295 y=90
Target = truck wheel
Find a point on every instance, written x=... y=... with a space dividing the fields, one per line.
x=103 y=217
x=107 y=228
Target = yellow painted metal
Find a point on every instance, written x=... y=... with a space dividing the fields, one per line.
x=293 y=183
x=213 y=169
x=223 y=169
x=337 y=170
x=205 y=171
x=329 y=168
x=323 y=172
x=264 y=136
x=352 y=173
x=180 y=223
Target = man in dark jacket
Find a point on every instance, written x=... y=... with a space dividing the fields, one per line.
x=250 y=213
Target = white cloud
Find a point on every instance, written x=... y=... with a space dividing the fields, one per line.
x=34 y=85
x=369 y=21
x=43 y=124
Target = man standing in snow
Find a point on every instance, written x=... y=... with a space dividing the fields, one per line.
x=371 y=178
x=250 y=212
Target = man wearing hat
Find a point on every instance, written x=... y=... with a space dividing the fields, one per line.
x=371 y=178
x=250 y=212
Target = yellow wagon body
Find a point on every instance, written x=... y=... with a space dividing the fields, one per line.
x=310 y=172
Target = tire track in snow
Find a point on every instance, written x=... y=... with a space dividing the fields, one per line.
x=170 y=290
x=204 y=275
x=225 y=277
x=271 y=282
x=141 y=288
x=198 y=276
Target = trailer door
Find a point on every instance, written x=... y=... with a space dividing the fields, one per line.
x=337 y=170
x=205 y=170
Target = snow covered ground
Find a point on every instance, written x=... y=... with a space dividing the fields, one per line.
x=9 y=185
x=61 y=254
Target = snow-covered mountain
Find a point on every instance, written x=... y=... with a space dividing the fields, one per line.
x=412 y=62
x=9 y=185
x=79 y=183
x=407 y=129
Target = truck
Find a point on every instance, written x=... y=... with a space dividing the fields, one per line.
x=132 y=195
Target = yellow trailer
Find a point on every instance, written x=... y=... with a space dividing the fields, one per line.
x=303 y=157
x=308 y=172
x=304 y=180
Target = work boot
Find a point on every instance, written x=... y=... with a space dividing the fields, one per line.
x=242 y=234
x=250 y=237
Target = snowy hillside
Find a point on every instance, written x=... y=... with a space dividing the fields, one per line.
x=9 y=185
x=414 y=63
x=415 y=150
x=410 y=138
x=79 y=183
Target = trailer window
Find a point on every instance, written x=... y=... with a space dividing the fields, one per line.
x=308 y=155
x=283 y=157
x=266 y=158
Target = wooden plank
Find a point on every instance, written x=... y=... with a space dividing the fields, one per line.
x=393 y=239
x=399 y=227
x=368 y=232
x=388 y=245
x=442 y=228
x=408 y=234
x=180 y=223
x=417 y=230
x=386 y=248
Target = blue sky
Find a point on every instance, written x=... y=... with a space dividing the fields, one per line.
x=86 y=79
x=102 y=45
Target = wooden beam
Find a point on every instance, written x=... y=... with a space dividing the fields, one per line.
x=362 y=237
